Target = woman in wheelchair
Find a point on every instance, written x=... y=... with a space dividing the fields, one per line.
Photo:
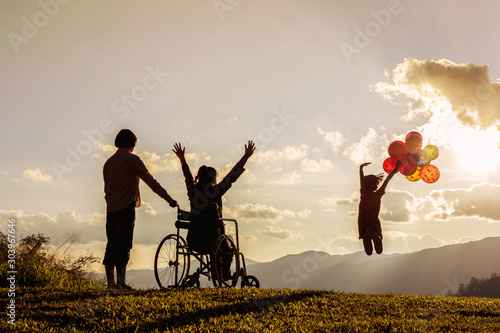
x=205 y=197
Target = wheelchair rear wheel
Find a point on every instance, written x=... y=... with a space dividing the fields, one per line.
x=171 y=261
x=225 y=262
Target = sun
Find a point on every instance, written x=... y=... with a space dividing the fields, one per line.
x=475 y=151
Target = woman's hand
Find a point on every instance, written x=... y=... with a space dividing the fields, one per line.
x=250 y=148
x=179 y=150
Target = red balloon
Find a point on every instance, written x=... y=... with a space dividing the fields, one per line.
x=389 y=164
x=397 y=149
x=408 y=165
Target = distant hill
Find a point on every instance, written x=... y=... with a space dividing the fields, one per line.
x=428 y=272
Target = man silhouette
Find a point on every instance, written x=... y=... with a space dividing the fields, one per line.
x=121 y=173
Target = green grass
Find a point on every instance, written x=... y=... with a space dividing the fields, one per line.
x=245 y=310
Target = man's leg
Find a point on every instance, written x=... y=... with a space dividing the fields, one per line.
x=110 y=274
x=109 y=261
x=126 y=233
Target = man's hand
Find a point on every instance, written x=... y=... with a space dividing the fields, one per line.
x=173 y=203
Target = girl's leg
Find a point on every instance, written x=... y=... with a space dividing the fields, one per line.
x=377 y=241
x=367 y=241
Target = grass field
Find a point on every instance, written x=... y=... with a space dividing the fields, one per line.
x=245 y=310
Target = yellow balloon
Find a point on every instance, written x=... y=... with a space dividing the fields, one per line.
x=415 y=177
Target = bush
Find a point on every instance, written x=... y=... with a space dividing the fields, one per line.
x=37 y=268
x=486 y=287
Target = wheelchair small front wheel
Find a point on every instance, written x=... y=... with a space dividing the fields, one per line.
x=171 y=261
x=249 y=281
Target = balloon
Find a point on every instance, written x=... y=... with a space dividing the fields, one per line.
x=413 y=142
x=389 y=164
x=433 y=151
x=408 y=165
x=415 y=177
x=423 y=157
x=429 y=173
x=397 y=149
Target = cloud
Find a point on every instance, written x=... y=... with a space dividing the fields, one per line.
x=277 y=232
x=353 y=199
x=148 y=209
x=333 y=139
x=466 y=87
x=479 y=201
x=397 y=206
x=289 y=153
x=292 y=178
x=249 y=211
x=37 y=176
x=156 y=163
x=316 y=166
x=59 y=227
x=6 y=174
x=370 y=147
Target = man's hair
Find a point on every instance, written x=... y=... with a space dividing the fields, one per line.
x=372 y=182
x=125 y=139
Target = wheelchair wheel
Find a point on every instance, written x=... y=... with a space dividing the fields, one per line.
x=249 y=281
x=225 y=262
x=171 y=262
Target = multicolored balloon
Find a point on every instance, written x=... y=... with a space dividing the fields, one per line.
x=415 y=161
x=430 y=173
x=423 y=157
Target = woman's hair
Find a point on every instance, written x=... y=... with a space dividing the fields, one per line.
x=125 y=139
x=372 y=182
x=206 y=175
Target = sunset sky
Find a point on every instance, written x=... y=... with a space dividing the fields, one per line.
x=320 y=86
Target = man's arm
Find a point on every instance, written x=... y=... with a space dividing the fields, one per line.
x=140 y=170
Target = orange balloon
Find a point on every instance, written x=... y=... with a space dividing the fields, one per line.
x=413 y=142
x=430 y=173
x=397 y=149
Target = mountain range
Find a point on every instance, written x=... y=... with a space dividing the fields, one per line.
x=436 y=271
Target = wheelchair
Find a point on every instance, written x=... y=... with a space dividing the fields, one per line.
x=174 y=260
